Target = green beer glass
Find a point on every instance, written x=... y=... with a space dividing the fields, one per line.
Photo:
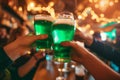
x=63 y=29
x=43 y=25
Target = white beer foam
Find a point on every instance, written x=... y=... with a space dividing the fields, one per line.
x=64 y=21
x=48 y=18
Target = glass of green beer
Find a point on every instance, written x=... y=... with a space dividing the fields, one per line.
x=43 y=25
x=63 y=29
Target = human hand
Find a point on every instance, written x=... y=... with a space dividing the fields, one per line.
x=82 y=37
x=21 y=45
x=39 y=55
x=78 y=52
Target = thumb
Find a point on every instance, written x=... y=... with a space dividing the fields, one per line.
x=66 y=43
x=69 y=43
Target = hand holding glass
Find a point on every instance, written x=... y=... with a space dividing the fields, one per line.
x=42 y=25
x=63 y=29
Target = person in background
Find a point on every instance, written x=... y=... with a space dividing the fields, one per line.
x=4 y=30
x=97 y=36
x=25 y=66
x=18 y=32
x=117 y=44
x=117 y=47
x=12 y=51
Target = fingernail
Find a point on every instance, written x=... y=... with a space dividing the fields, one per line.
x=45 y=35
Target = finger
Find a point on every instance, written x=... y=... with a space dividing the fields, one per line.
x=77 y=47
x=69 y=43
x=43 y=36
x=40 y=55
x=66 y=43
x=39 y=37
x=77 y=30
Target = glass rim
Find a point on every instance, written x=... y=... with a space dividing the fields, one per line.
x=43 y=17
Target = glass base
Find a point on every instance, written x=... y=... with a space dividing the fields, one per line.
x=65 y=70
x=63 y=67
x=62 y=60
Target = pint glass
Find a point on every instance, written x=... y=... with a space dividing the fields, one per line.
x=63 y=29
x=42 y=25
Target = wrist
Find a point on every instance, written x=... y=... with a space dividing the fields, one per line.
x=11 y=51
x=88 y=40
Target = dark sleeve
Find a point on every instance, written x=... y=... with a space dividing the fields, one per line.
x=17 y=64
x=21 y=60
x=5 y=61
x=105 y=51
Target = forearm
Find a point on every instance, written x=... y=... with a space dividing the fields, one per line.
x=12 y=51
x=98 y=69
x=26 y=68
